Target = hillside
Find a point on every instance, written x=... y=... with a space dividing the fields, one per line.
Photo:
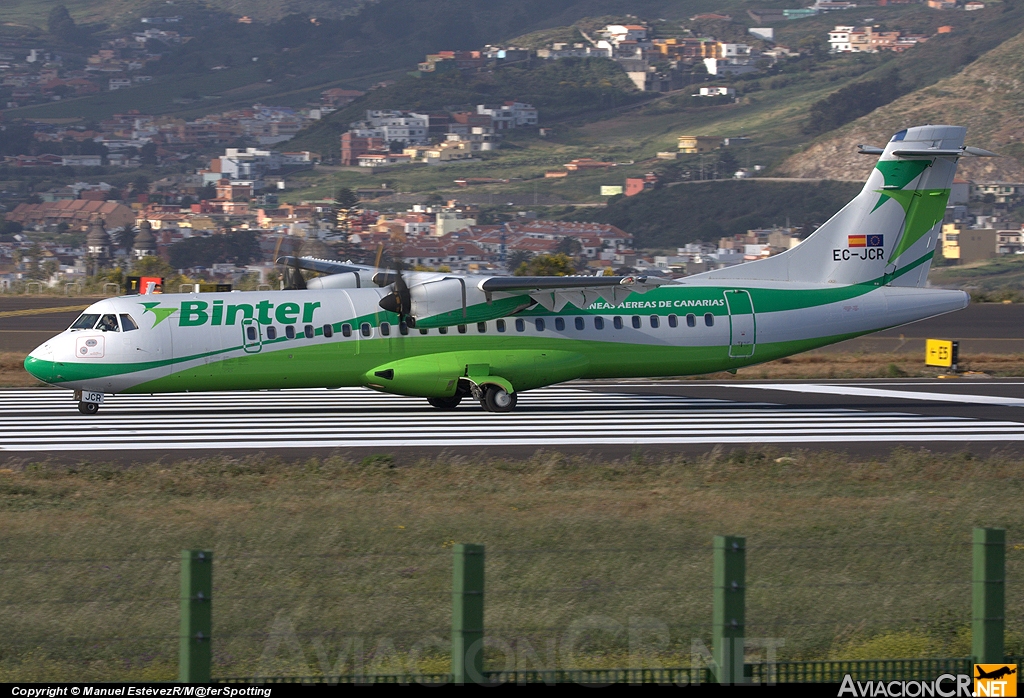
x=557 y=88
x=33 y=12
x=677 y=214
x=987 y=96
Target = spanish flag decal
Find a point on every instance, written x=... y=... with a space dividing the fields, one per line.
x=856 y=240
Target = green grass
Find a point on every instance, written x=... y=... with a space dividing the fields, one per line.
x=349 y=557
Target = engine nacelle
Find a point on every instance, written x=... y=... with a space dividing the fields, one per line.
x=451 y=301
x=348 y=279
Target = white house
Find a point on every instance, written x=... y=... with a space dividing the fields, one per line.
x=839 y=39
x=81 y=160
x=717 y=91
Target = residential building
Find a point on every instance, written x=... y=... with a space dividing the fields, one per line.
x=717 y=91
x=1002 y=192
x=636 y=185
x=972 y=5
x=382 y=159
x=353 y=146
x=76 y=213
x=967 y=245
x=406 y=128
x=509 y=115
x=81 y=160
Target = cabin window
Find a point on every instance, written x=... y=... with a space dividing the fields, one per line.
x=108 y=323
x=539 y=323
x=85 y=322
x=385 y=329
x=424 y=330
x=365 y=329
x=250 y=332
x=636 y=322
x=559 y=324
x=346 y=330
x=481 y=327
x=691 y=320
x=580 y=324
x=328 y=331
x=308 y=331
x=617 y=322
x=673 y=321
x=403 y=329
x=127 y=324
x=500 y=325
x=520 y=325
x=271 y=332
x=709 y=319
x=599 y=323
x=289 y=332
x=442 y=330
x=654 y=321
x=462 y=329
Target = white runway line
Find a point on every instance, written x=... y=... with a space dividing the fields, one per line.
x=48 y=420
x=880 y=392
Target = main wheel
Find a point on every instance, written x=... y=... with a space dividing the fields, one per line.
x=445 y=403
x=497 y=400
x=88 y=407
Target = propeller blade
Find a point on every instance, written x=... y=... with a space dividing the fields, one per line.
x=399 y=301
x=294 y=281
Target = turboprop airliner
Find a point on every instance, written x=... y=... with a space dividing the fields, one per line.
x=448 y=337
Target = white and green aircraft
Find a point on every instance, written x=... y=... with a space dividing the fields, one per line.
x=445 y=337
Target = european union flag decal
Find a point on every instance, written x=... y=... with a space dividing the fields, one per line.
x=876 y=240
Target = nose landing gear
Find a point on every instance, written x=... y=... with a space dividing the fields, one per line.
x=88 y=407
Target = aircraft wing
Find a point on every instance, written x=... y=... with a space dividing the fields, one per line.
x=554 y=292
x=322 y=266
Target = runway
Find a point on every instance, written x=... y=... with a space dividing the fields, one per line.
x=614 y=416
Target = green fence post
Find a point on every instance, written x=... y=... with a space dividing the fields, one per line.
x=194 y=651
x=729 y=611
x=468 y=613
x=988 y=598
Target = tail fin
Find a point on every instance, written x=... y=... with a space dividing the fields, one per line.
x=888 y=234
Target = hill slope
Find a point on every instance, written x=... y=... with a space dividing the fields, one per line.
x=987 y=97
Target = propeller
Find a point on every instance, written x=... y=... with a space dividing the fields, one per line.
x=399 y=301
x=293 y=279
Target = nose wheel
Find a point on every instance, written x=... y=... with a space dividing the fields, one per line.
x=88 y=407
x=497 y=399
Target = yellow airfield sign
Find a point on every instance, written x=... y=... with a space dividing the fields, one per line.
x=940 y=352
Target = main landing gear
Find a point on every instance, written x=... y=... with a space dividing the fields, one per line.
x=88 y=407
x=493 y=398
x=496 y=399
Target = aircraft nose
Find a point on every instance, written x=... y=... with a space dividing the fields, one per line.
x=40 y=363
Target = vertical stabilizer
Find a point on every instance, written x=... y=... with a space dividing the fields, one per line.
x=888 y=233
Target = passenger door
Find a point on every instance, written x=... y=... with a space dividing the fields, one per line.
x=742 y=324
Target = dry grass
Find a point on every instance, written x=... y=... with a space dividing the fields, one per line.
x=13 y=373
x=347 y=560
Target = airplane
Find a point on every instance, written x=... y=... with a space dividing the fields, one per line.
x=446 y=337
x=995 y=673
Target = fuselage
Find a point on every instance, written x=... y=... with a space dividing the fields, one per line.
x=331 y=338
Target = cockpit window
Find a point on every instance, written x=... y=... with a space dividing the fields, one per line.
x=127 y=323
x=85 y=322
x=108 y=323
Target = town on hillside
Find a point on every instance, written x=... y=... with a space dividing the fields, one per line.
x=211 y=199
